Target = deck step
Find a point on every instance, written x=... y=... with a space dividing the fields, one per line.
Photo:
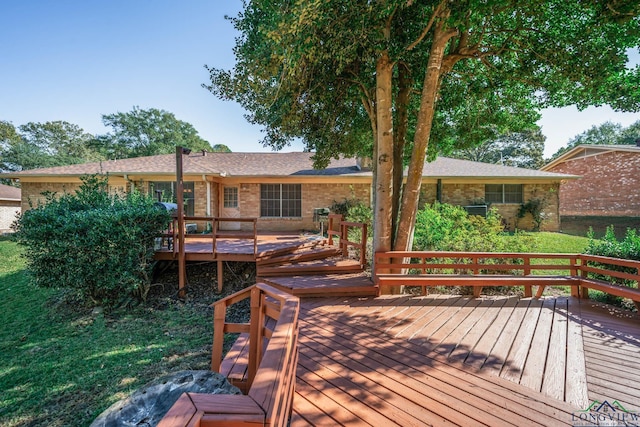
x=271 y=253
x=325 y=285
x=324 y=266
x=304 y=254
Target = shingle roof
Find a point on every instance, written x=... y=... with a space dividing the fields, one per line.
x=444 y=167
x=277 y=165
x=8 y=192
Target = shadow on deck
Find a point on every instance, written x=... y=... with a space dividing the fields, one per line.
x=442 y=360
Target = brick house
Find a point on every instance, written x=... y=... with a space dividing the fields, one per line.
x=610 y=183
x=10 y=202
x=608 y=192
x=282 y=189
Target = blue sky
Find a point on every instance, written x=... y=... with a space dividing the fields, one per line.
x=76 y=60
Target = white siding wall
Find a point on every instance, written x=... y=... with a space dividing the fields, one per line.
x=7 y=216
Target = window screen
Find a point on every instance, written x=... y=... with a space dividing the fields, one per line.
x=281 y=200
x=503 y=193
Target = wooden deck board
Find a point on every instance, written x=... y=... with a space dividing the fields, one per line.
x=534 y=361
x=461 y=380
x=398 y=360
x=436 y=360
x=521 y=344
x=324 y=285
x=575 y=375
x=400 y=392
x=477 y=358
x=553 y=382
x=448 y=337
x=472 y=335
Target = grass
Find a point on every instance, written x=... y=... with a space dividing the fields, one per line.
x=545 y=242
x=62 y=364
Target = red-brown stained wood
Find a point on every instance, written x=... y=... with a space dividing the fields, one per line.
x=534 y=363
x=181 y=413
x=554 y=381
x=373 y=347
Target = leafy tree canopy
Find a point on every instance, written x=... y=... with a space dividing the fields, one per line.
x=397 y=79
x=607 y=133
x=220 y=148
x=521 y=149
x=147 y=133
x=37 y=145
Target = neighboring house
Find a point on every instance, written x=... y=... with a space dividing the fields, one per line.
x=282 y=189
x=609 y=184
x=10 y=202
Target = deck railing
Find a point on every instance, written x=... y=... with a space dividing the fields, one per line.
x=342 y=233
x=211 y=227
x=266 y=366
x=582 y=272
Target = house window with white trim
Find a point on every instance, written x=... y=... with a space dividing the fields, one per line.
x=165 y=190
x=281 y=200
x=503 y=193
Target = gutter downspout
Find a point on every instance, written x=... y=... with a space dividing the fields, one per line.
x=208 y=209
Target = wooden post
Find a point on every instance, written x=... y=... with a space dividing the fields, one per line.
x=182 y=264
x=255 y=335
x=528 y=290
x=573 y=272
x=219 y=316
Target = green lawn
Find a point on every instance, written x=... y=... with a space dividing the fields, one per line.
x=61 y=365
x=546 y=242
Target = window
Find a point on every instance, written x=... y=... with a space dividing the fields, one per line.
x=503 y=193
x=166 y=191
x=281 y=200
x=230 y=197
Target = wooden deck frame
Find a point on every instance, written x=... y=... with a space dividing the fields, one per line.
x=267 y=371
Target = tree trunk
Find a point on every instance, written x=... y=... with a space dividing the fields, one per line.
x=411 y=192
x=382 y=232
x=400 y=138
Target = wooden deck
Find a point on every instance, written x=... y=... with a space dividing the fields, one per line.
x=451 y=360
x=200 y=248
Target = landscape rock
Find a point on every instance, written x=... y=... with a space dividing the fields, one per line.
x=147 y=406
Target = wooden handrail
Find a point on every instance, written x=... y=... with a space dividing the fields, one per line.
x=343 y=236
x=216 y=233
x=334 y=221
x=590 y=271
x=270 y=382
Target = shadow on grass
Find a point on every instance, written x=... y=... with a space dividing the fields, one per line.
x=62 y=364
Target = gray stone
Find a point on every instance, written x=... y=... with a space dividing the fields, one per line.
x=147 y=406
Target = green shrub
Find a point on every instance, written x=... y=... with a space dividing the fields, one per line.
x=444 y=227
x=97 y=243
x=609 y=246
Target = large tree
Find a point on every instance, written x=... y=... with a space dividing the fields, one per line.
x=146 y=133
x=521 y=149
x=36 y=145
x=403 y=73
x=608 y=133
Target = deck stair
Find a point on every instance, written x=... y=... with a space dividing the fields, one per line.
x=309 y=253
x=315 y=270
x=314 y=266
